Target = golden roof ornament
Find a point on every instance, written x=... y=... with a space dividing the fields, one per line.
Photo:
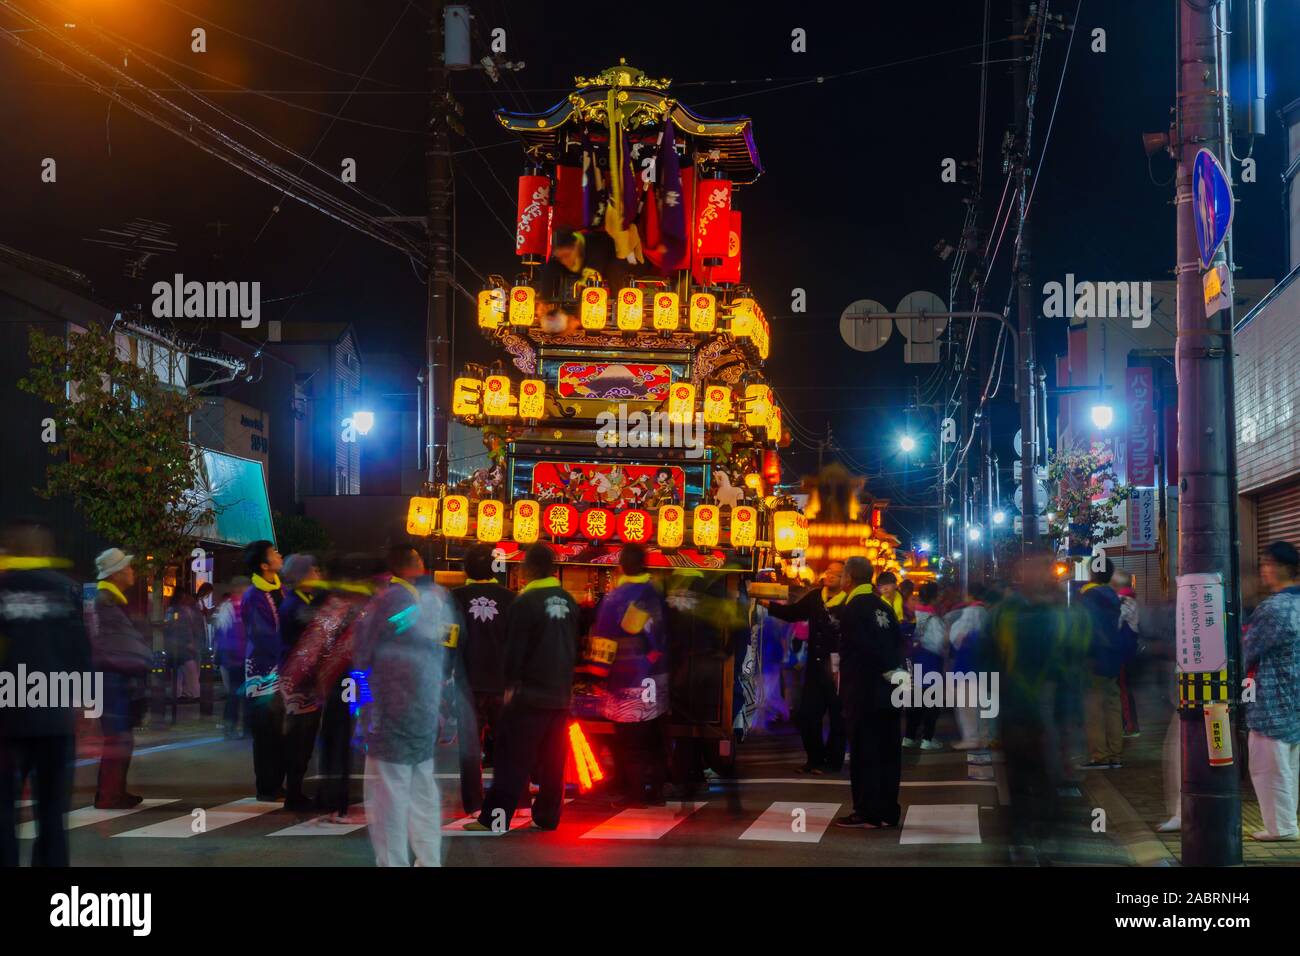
x=623 y=76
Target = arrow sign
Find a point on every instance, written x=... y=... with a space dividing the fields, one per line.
x=1211 y=205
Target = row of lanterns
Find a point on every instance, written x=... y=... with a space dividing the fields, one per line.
x=531 y=519
x=517 y=306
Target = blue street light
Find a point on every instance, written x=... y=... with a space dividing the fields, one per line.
x=363 y=422
x=999 y=517
x=907 y=443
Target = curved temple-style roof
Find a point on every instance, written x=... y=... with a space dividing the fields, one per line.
x=644 y=100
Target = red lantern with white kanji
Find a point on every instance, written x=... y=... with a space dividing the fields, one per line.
x=712 y=221
x=532 y=222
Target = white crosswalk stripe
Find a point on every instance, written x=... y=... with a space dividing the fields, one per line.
x=184 y=827
x=89 y=816
x=941 y=823
x=792 y=822
x=643 y=823
x=320 y=826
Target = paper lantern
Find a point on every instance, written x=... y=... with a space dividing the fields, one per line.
x=785 y=530
x=672 y=523
x=455 y=516
x=532 y=398
x=533 y=219
x=496 y=397
x=467 y=397
x=523 y=305
x=491 y=521
x=666 y=314
x=704 y=529
x=773 y=425
x=525 y=521
x=712 y=220
x=631 y=309
x=744 y=526
x=635 y=526
x=560 y=520
x=681 y=403
x=594 y=311
x=597 y=524
x=717 y=404
x=421 y=516
x=754 y=482
x=704 y=312
x=758 y=405
x=491 y=308
x=744 y=318
x=801 y=532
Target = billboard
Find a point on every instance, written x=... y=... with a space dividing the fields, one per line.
x=236 y=489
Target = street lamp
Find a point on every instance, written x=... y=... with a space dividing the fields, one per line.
x=951 y=519
x=973 y=533
x=363 y=422
x=1103 y=416
x=999 y=517
x=924 y=546
x=907 y=443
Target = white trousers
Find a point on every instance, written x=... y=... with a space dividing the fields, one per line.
x=1275 y=772
x=403 y=813
x=1173 y=764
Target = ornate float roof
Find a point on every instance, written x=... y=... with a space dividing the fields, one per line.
x=644 y=101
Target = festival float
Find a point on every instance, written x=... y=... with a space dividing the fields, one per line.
x=636 y=409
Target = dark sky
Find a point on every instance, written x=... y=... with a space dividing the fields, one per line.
x=851 y=205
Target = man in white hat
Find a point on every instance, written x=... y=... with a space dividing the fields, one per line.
x=124 y=657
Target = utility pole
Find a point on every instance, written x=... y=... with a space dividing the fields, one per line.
x=1211 y=801
x=437 y=384
x=1021 y=53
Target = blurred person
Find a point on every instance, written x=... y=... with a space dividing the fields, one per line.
x=541 y=652
x=871 y=652
x=302 y=583
x=125 y=657
x=968 y=625
x=185 y=636
x=42 y=631
x=478 y=669
x=887 y=589
x=631 y=616
x=576 y=256
x=929 y=645
x=1130 y=631
x=259 y=611
x=1271 y=646
x=399 y=647
x=907 y=623
x=1103 y=712
x=820 y=699
x=228 y=638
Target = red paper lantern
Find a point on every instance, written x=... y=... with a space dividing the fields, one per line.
x=771 y=468
x=597 y=524
x=560 y=521
x=712 y=220
x=533 y=221
x=636 y=526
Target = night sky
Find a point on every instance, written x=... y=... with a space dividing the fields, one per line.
x=851 y=205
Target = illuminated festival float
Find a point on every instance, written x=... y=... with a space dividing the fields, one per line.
x=630 y=403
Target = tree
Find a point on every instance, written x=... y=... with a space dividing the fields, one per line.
x=122 y=450
x=1085 y=497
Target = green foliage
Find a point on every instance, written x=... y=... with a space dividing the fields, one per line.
x=1078 y=478
x=298 y=534
x=122 y=452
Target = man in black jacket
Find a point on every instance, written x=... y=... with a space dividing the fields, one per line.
x=871 y=649
x=819 y=695
x=541 y=650
x=479 y=668
x=41 y=632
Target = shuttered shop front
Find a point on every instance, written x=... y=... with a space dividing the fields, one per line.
x=1277 y=517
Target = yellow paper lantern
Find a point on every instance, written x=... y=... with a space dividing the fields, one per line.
x=491 y=521
x=717 y=404
x=525 y=521
x=532 y=398
x=631 y=310
x=523 y=305
x=744 y=318
x=773 y=425
x=594 y=312
x=665 y=311
x=421 y=516
x=704 y=529
x=744 y=526
x=467 y=397
x=704 y=312
x=455 y=516
x=758 y=405
x=681 y=403
x=754 y=482
x=672 y=524
x=491 y=308
x=497 y=402
x=785 y=530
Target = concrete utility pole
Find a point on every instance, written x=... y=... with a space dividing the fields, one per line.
x=1021 y=52
x=437 y=384
x=1207 y=500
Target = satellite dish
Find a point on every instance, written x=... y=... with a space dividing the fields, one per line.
x=921 y=331
x=865 y=335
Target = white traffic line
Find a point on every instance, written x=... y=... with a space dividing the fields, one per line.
x=642 y=823
x=184 y=827
x=785 y=822
x=89 y=816
x=319 y=826
x=941 y=823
